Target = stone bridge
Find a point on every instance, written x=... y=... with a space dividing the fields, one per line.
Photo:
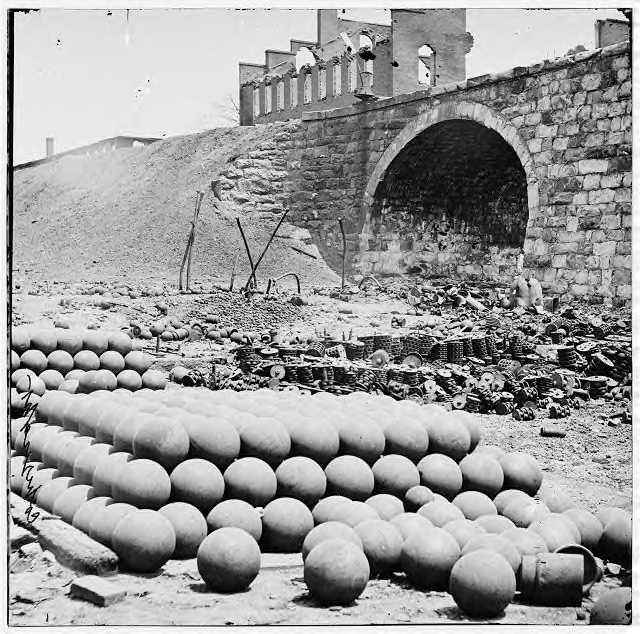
x=465 y=179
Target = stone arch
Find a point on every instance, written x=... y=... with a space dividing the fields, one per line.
x=451 y=111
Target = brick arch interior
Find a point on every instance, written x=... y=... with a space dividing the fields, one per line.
x=453 y=200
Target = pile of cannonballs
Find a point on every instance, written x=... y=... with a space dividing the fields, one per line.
x=361 y=485
x=76 y=361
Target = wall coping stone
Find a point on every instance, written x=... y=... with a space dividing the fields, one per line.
x=474 y=82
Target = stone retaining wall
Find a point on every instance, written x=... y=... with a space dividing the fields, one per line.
x=569 y=122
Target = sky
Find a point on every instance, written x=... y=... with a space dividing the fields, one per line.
x=85 y=75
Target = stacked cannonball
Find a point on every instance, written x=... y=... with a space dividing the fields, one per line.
x=361 y=485
x=77 y=361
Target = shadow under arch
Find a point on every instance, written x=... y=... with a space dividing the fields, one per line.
x=448 y=114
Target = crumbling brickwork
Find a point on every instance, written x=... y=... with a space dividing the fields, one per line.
x=395 y=67
x=569 y=123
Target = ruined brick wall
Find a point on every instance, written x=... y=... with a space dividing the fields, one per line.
x=444 y=30
x=568 y=121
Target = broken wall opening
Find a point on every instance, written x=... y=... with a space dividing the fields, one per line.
x=453 y=202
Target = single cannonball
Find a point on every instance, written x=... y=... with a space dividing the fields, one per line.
x=326 y=531
x=107 y=470
x=521 y=471
x=464 y=531
x=407 y=523
x=395 y=474
x=382 y=544
x=495 y=524
x=129 y=380
x=70 y=500
x=86 y=360
x=95 y=341
x=474 y=504
x=61 y=361
x=33 y=360
x=52 y=379
x=164 y=440
x=440 y=512
x=214 y=440
x=143 y=483
x=472 y=423
x=498 y=544
x=589 y=526
x=407 y=437
x=612 y=608
x=189 y=526
x=615 y=543
x=197 y=482
x=45 y=341
x=504 y=498
x=301 y=478
x=448 y=436
x=69 y=341
x=112 y=360
x=428 y=557
x=229 y=560
x=349 y=476
x=237 y=514
x=285 y=524
x=362 y=438
x=120 y=342
x=87 y=511
x=416 y=497
x=481 y=472
x=326 y=510
x=317 y=440
x=138 y=361
x=522 y=513
x=336 y=572
x=556 y=530
x=144 y=541
x=105 y=521
x=20 y=340
x=482 y=583
x=153 y=380
x=441 y=474
x=266 y=439
x=526 y=541
x=387 y=506
x=252 y=480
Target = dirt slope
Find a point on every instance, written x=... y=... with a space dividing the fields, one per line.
x=126 y=214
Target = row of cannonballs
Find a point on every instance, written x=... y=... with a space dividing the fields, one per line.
x=78 y=361
x=265 y=468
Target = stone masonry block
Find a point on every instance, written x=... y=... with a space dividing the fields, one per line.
x=591 y=166
x=605 y=248
x=591 y=181
x=602 y=196
x=97 y=590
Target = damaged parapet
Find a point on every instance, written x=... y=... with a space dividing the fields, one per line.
x=352 y=59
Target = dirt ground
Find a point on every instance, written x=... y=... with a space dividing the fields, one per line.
x=592 y=464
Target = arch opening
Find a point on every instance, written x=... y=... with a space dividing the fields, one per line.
x=426 y=65
x=454 y=201
x=304 y=57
